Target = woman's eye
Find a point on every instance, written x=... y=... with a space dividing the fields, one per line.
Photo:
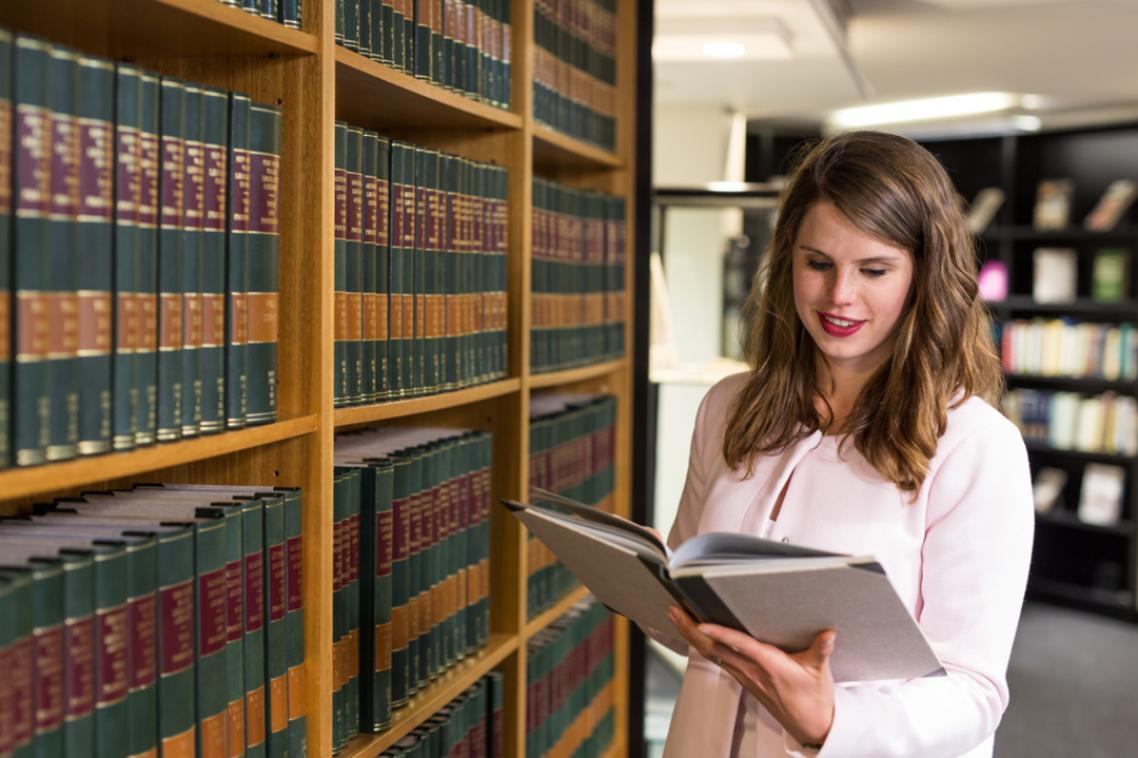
x=873 y=272
x=818 y=265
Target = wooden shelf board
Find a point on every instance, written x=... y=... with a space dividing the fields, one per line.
x=374 y=95
x=554 y=149
x=366 y=414
x=427 y=702
x=571 y=375
x=142 y=28
x=1069 y=520
x=1041 y=448
x=67 y=475
x=1068 y=233
x=551 y=614
x=1077 y=383
x=1082 y=306
x=1117 y=603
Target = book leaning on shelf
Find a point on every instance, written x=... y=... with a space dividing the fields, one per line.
x=781 y=594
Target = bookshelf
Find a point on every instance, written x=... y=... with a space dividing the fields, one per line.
x=315 y=82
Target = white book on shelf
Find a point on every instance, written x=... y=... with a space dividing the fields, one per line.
x=1063 y=418
x=1112 y=354
x=1126 y=425
x=1100 y=498
x=1055 y=275
x=1089 y=426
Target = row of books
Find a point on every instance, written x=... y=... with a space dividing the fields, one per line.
x=569 y=697
x=577 y=279
x=287 y=12
x=1056 y=280
x=1053 y=201
x=572 y=440
x=138 y=256
x=463 y=45
x=420 y=269
x=470 y=726
x=411 y=573
x=1060 y=347
x=1100 y=492
x=1106 y=423
x=574 y=68
x=161 y=618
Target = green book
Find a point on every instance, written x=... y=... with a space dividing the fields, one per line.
x=17 y=651
x=297 y=677
x=401 y=666
x=127 y=183
x=339 y=609
x=447 y=33
x=435 y=276
x=395 y=343
x=438 y=62
x=500 y=270
x=451 y=297
x=375 y=30
x=369 y=361
x=170 y=270
x=1110 y=278
x=507 y=48
x=146 y=266
x=377 y=488
x=263 y=241
x=237 y=264
x=62 y=252
x=352 y=595
x=383 y=272
x=417 y=600
x=354 y=278
x=339 y=14
x=418 y=270
x=393 y=35
x=276 y=630
x=193 y=219
x=421 y=47
x=364 y=22
x=351 y=24
x=212 y=243
x=6 y=57
x=95 y=107
x=341 y=394
x=387 y=17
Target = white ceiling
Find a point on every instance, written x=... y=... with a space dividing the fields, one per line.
x=1080 y=56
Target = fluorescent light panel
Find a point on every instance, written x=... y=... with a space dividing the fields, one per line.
x=703 y=39
x=924 y=109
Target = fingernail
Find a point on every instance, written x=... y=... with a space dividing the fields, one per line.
x=706 y=630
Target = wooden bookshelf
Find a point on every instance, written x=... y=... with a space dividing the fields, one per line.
x=315 y=82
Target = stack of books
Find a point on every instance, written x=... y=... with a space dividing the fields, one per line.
x=161 y=617
x=571 y=454
x=411 y=574
x=1106 y=423
x=287 y=12
x=470 y=725
x=463 y=45
x=420 y=270
x=142 y=265
x=574 y=88
x=569 y=697
x=577 y=277
x=1060 y=347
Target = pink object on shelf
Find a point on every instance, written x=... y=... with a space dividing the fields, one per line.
x=993 y=281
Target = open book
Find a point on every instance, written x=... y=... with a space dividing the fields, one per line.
x=778 y=593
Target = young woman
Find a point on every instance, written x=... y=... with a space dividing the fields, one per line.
x=865 y=426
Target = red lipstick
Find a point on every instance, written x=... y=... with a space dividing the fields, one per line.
x=837 y=326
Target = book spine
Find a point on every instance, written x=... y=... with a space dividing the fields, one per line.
x=451 y=295
x=382 y=595
x=449 y=23
x=253 y=574
x=354 y=278
x=237 y=264
x=111 y=631
x=212 y=632
x=276 y=632
x=127 y=185
x=395 y=343
x=507 y=47
x=438 y=60
x=351 y=24
x=436 y=273
x=483 y=205
x=377 y=30
x=419 y=579
x=339 y=609
x=95 y=137
x=421 y=47
x=6 y=129
x=469 y=519
x=433 y=582
x=193 y=211
x=235 y=629
x=62 y=255
x=211 y=351
x=17 y=648
x=297 y=678
x=364 y=21
x=485 y=458
x=146 y=262
x=263 y=242
x=170 y=307
x=418 y=208
x=456 y=556
x=342 y=396
x=352 y=590
x=339 y=12
x=501 y=269
x=176 y=716
x=47 y=599
x=370 y=311
x=290 y=13
x=401 y=582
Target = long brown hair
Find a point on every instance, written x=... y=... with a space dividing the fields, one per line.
x=895 y=191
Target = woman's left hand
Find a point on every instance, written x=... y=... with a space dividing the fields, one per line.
x=796 y=688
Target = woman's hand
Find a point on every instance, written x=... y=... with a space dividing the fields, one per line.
x=797 y=689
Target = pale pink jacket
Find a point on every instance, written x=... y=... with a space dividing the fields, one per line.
x=958 y=557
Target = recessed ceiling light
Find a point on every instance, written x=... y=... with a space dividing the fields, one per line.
x=724 y=49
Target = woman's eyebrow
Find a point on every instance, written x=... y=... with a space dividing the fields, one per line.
x=873 y=259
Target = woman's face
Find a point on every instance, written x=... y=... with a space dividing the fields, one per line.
x=849 y=289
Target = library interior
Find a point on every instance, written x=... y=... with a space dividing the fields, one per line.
x=364 y=390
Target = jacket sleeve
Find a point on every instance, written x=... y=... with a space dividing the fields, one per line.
x=975 y=558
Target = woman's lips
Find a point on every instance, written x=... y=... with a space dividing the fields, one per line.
x=836 y=326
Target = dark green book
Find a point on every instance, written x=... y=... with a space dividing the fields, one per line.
x=369 y=364
x=340 y=391
x=375 y=30
x=237 y=263
x=421 y=47
x=383 y=272
x=146 y=267
x=276 y=630
x=170 y=270
x=340 y=12
x=17 y=651
x=387 y=32
x=352 y=590
x=212 y=242
x=354 y=279
x=419 y=267
x=363 y=21
x=351 y=24
x=339 y=609
x=395 y=345
x=447 y=37
x=6 y=56
x=290 y=12
x=452 y=297
x=500 y=271
x=62 y=257
x=393 y=36
x=128 y=180
x=438 y=73
x=264 y=261
x=94 y=212
x=297 y=678
x=193 y=218
x=507 y=49
x=400 y=581
x=434 y=279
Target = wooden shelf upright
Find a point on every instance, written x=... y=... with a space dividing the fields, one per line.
x=315 y=82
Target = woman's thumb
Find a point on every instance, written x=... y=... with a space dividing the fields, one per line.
x=822 y=648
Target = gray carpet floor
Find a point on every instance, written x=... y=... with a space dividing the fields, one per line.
x=1074 y=689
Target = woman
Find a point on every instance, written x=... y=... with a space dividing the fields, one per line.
x=865 y=426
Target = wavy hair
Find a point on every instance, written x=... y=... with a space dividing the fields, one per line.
x=894 y=190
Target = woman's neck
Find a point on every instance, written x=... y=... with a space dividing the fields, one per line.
x=840 y=386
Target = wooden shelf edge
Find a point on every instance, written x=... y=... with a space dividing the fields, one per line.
x=1124 y=528
x=385 y=76
x=571 y=375
x=366 y=414
x=285 y=38
x=549 y=615
x=425 y=704
x=1083 y=455
x=561 y=149
x=51 y=477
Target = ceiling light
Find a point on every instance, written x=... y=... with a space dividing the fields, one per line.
x=724 y=49
x=922 y=110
